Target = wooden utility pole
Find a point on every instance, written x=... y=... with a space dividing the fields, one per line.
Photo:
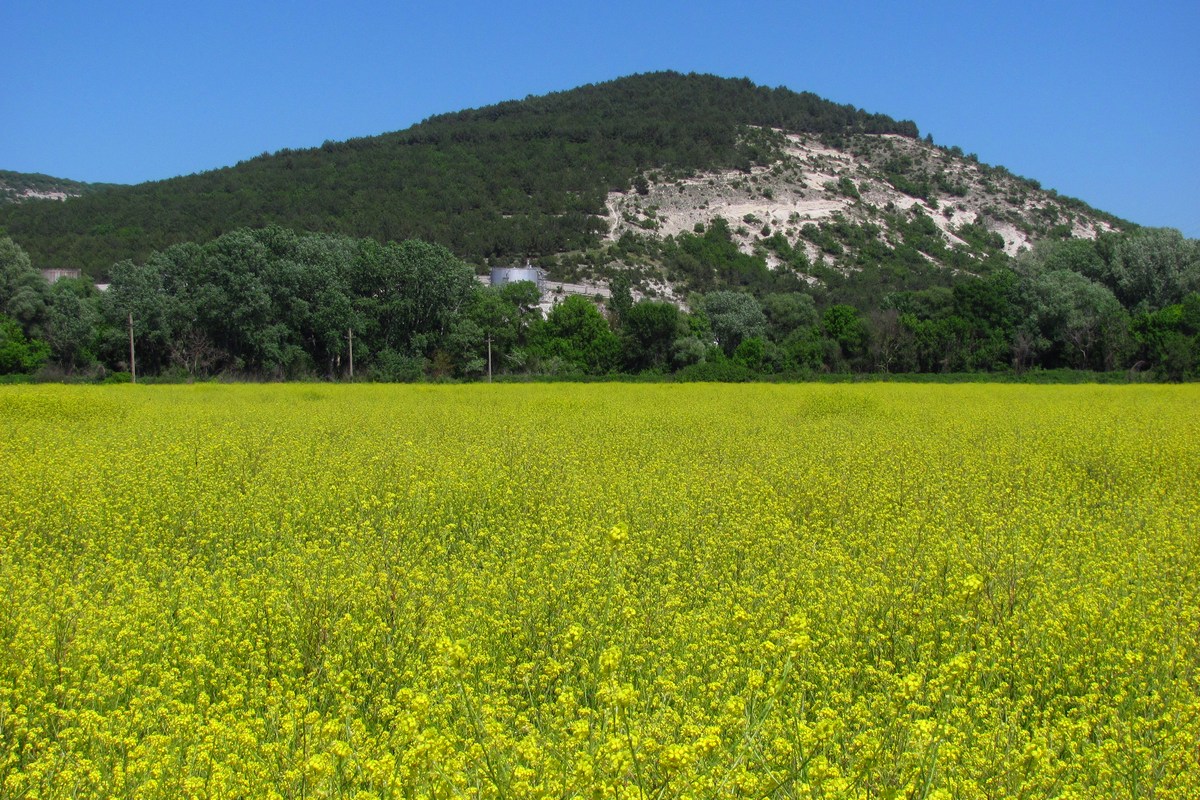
x=132 y=357
x=489 y=358
x=350 y=337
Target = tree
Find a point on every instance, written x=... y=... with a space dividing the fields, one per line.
x=1155 y=267
x=1076 y=255
x=788 y=312
x=990 y=310
x=936 y=345
x=733 y=317
x=842 y=325
x=411 y=293
x=499 y=181
x=18 y=354
x=649 y=334
x=620 y=299
x=23 y=290
x=751 y=353
x=312 y=292
x=576 y=333
x=887 y=338
x=502 y=314
x=137 y=293
x=1082 y=317
x=73 y=323
x=1169 y=339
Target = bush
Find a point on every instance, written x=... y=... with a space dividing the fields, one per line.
x=18 y=354
x=392 y=367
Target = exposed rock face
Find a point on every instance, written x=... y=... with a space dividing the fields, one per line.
x=32 y=194
x=18 y=187
x=869 y=179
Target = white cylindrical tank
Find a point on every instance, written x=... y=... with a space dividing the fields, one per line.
x=506 y=275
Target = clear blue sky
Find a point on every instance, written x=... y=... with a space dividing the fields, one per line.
x=1099 y=100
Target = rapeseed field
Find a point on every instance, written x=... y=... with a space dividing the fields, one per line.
x=600 y=591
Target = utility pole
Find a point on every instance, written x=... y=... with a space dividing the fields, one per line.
x=489 y=357
x=350 y=337
x=132 y=357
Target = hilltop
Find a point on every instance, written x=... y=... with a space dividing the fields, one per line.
x=18 y=187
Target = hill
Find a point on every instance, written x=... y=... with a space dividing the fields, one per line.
x=526 y=178
x=18 y=187
x=791 y=236
x=866 y=212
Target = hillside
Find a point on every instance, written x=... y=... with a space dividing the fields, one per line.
x=866 y=180
x=519 y=179
x=18 y=187
x=890 y=211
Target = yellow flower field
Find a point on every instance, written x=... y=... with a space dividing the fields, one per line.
x=638 y=591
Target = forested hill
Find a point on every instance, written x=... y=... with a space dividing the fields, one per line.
x=521 y=178
x=18 y=187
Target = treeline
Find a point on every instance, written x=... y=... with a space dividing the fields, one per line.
x=13 y=185
x=521 y=178
x=272 y=304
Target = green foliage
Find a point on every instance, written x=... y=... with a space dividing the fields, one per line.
x=1081 y=320
x=14 y=185
x=793 y=256
x=576 y=334
x=1154 y=267
x=1147 y=269
x=1168 y=340
x=846 y=187
x=73 y=324
x=844 y=326
x=734 y=317
x=521 y=178
x=22 y=289
x=649 y=332
x=712 y=260
x=881 y=265
x=717 y=370
x=19 y=355
x=751 y=353
x=392 y=367
x=787 y=313
x=822 y=238
x=978 y=236
x=271 y=303
x=620 y=297
x=908 y=176
x=506 y=315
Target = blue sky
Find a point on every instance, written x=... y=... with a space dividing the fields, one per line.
x=1099 y=100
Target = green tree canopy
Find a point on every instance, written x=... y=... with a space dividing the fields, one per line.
x=648 y=335
x=1084 y=320
x=1155 y=267
x=17 y=354
x=577 y=333
x=23 y=291
x=734 y=317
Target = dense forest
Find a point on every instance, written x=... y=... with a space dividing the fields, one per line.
x=517 y=179
x=273 y=304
